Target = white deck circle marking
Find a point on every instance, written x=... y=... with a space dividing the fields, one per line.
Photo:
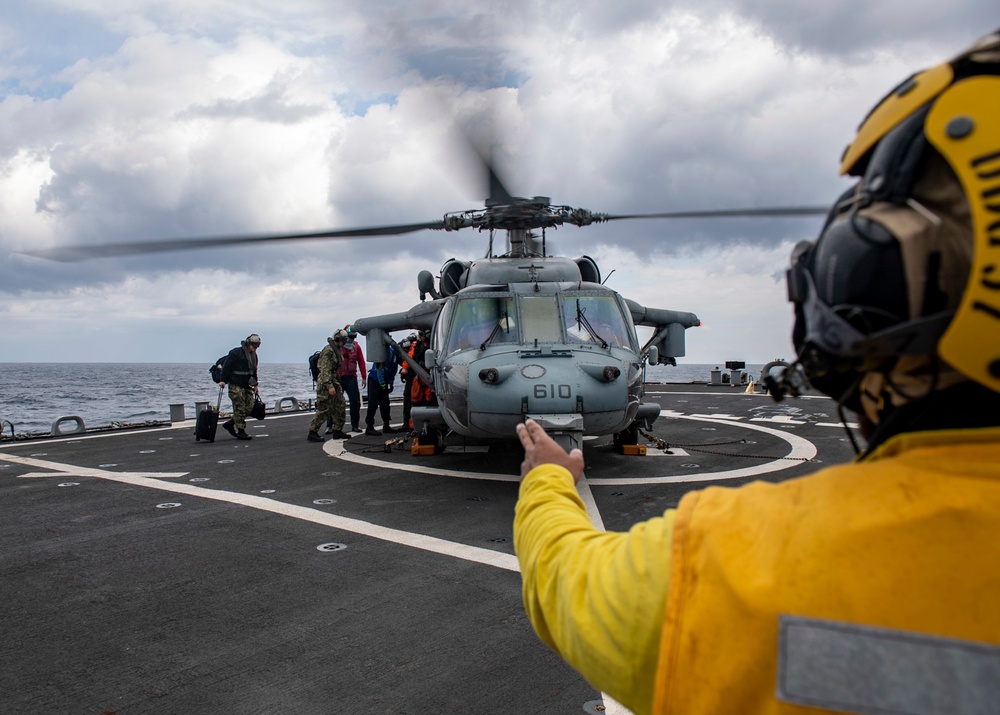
x=801 y=450
x=335 y=449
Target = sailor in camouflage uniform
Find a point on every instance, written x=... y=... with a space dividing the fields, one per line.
x=329 y=392
x=239 y=371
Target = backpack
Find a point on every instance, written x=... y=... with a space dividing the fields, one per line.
x=314 y=365
x=216 y=370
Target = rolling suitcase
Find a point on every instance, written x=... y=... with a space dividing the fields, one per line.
x=208 y=422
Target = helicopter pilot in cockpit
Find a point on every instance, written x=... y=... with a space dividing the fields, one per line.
x=594 y=319
x=482 y=320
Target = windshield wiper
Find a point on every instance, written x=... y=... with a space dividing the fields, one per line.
x=496 y=329
x=581 y=319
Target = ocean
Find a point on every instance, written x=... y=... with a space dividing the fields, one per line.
x=34 y=395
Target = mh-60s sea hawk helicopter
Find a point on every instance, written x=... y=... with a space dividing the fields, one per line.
x=516 y=335
x=525 y=334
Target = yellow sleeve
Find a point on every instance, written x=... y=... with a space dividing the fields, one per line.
x=597 y=598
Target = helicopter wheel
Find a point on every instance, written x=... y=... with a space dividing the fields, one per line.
x=628 y=436
x=432 y=436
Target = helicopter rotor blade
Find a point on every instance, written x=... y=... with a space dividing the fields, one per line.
x=499 y=197
x=731 y=213
x=481 y=148
x=72 y=254
x=498 y=192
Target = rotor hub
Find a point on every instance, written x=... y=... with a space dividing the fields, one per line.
x=520 y=214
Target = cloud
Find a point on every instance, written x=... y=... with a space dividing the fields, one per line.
x=859 y=32
x=185 y=119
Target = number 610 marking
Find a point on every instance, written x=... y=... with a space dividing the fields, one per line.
x=544 y=391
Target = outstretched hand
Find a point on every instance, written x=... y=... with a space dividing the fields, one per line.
x=539 y=448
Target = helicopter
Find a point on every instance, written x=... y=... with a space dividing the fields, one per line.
x=523 y=334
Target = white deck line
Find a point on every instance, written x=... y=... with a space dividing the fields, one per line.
x=356 y=526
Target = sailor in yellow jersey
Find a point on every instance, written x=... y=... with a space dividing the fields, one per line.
x=871 y=587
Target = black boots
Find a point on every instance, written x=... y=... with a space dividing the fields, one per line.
x=230 y=427
x=334 y=434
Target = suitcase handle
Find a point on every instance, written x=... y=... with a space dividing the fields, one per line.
x=218 y=402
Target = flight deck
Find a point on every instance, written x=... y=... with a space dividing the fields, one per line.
x=145 y=572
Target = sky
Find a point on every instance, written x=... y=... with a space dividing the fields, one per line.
x=133 y=120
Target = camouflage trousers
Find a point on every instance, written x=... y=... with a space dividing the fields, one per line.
x=329 y=406
x=242 y=398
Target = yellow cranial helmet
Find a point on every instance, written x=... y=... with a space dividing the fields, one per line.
x=907 y=267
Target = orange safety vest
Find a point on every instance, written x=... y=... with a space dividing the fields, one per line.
x=405 y=367
x=870 y=587
x=420 y=392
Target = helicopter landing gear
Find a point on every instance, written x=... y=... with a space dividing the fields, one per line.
x=627 y=441
x=429 y=441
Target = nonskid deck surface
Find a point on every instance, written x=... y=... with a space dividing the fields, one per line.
x=145 y=572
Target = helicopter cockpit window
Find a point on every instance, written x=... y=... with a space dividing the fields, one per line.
x=595 y=319
x=482 y=320
x=539 y=320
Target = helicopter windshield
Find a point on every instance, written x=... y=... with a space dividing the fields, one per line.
x=481 y=320
x=595 y=319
